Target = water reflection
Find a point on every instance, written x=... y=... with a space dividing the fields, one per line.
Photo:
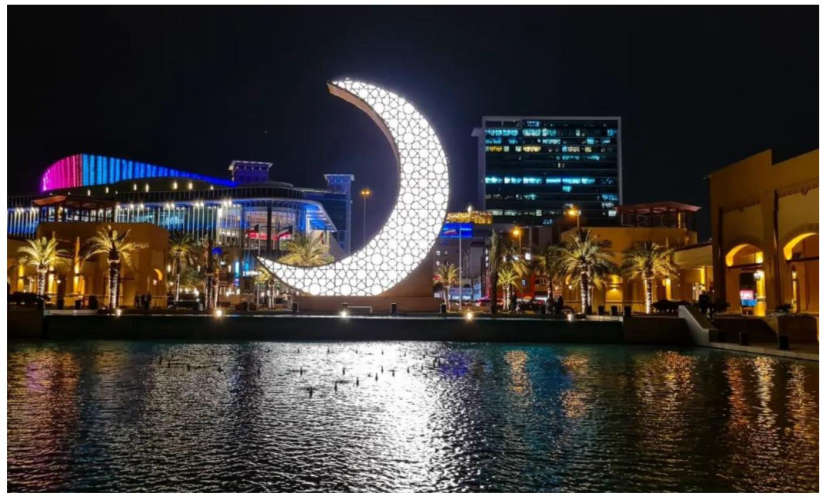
x=110 y=416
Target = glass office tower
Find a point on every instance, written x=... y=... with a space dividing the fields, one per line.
x=531 y=169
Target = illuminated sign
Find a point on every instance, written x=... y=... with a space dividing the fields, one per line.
x=748 y=298
x=452 y=230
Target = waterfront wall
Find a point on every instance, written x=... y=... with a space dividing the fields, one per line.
x=329 y=328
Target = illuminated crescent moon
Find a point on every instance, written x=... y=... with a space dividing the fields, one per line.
x=414 y=224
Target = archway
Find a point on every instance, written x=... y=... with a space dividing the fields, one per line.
x=745 y=279
x=801 y=254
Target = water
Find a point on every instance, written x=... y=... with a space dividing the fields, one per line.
x=141 y=416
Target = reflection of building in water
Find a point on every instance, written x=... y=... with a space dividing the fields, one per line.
x=665 y=391
x=42 y=386
x=519 y=381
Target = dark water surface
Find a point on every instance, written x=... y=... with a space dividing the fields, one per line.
x=143 y=416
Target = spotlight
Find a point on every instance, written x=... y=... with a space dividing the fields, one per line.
x=344 y=313
x=569 y=316
x=219 y=313
x=118 y=312
x=468 y=315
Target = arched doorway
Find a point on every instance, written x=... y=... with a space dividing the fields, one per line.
x=801 y=254
x=745 y=279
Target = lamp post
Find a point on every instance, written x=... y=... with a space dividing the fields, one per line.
x=365 y=194
x=461 y=258
x=576 y=212
x=517 y=234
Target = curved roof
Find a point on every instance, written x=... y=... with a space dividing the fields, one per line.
x=93 y=170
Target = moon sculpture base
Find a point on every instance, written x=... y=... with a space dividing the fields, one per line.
x=413 y=294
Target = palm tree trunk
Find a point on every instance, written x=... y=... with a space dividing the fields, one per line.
x=113 y=284
x=41 y=281
x=493 y=291
x=648 y=283
x=584 y=285
x=177 y=278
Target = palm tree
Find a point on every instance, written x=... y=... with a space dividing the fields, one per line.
x=117 y=248
x=305 y=251
x=42 y=253
x=508 y=278
x=649 y=261
x=587 y=261
x=550 y=266
x=500 y=249
x=446 y=275
x=181 y=247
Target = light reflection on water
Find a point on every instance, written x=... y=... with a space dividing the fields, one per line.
x=407 y=416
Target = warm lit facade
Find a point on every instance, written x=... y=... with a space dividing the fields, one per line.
x=665 y=223
x=765 y=233
x=695 y=264
x=79 y=279
x=531 y=169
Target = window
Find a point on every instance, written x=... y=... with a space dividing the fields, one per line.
x=506 y=132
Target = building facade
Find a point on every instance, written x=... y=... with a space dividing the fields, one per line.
x=249 y=212
x=464 y=240
x=666 y=223
x=80 y=278
x=765 y=234
x=532 y=169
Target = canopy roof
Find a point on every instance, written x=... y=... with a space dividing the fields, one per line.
x=658 y=207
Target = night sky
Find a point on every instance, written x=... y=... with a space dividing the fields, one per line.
x=196 y=87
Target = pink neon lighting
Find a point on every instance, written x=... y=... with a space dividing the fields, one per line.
x=64 y=173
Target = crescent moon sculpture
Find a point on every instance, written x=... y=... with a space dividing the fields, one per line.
x=416 y=219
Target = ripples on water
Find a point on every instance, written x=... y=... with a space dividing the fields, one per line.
x=133 y=416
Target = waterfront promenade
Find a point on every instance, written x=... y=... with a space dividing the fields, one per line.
x=31 y=324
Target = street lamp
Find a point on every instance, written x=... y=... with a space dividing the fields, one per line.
x=517 y=234
x=365 y=194
x=575 y=212
x=461 y=258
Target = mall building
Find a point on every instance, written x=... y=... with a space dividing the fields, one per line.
x=246 y=211
x=243 y=216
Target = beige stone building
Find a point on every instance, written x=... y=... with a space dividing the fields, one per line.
x=666 y=223
x=765 y=233
x=82 y=279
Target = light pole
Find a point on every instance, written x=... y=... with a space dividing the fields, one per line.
x=576 y=212
x=461 y=258
x=517 y=234
x=365 y=194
